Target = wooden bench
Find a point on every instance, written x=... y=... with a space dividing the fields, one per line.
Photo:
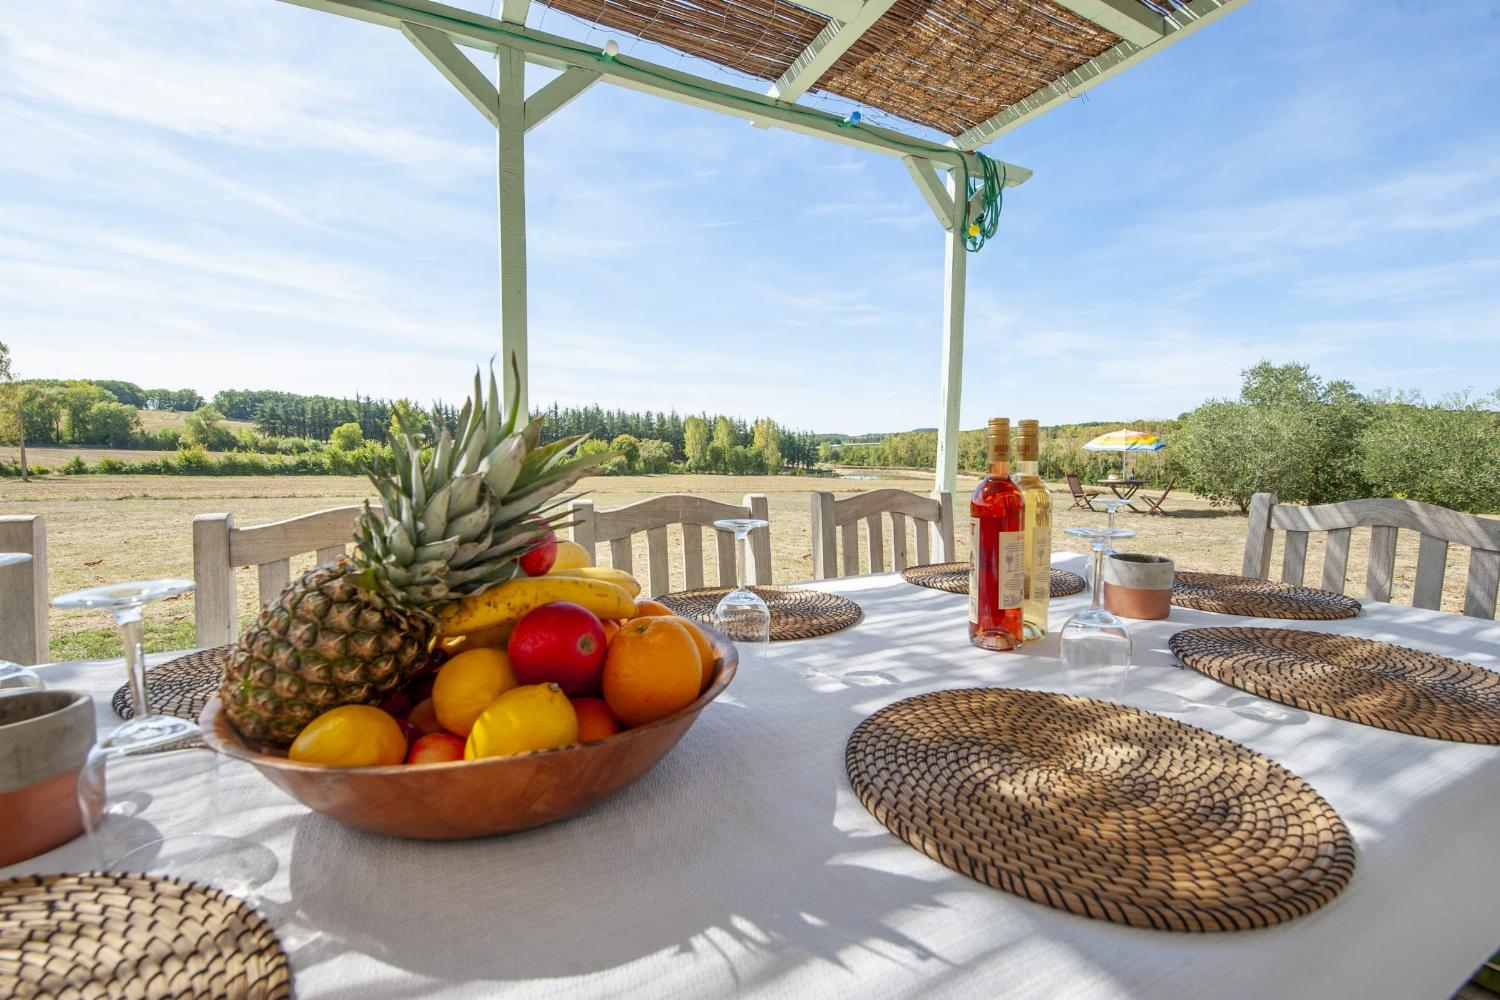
x=1439 y=528
x=219 y=548
x=653 y=516
x=929 y=515
x=23 y=591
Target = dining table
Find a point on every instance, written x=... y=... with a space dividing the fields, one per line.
x=1116 y=485
x=744 y=863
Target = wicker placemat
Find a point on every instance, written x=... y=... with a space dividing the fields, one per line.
x=180 y=687
x=1252 y=598
x=1360 y=680
x=795 y=613
x=103 y=935
x=1100 y=809
x=954 y=578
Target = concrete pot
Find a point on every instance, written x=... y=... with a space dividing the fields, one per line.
x=1138 y=586
x=45 y=736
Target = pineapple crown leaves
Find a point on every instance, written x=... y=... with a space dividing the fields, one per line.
x=456 y=515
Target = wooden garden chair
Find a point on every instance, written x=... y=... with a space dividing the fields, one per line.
x=219 y=548
x=929 y=515
x=1081 y=497
x=1153 y=503
x=1439 y=528
x=23 y=591
x=592 y=527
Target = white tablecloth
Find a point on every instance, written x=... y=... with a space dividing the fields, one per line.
x=744 y=864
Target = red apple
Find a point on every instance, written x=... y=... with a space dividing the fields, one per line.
x=411 y=732
x=436 y=748
x=539 y=558
x=424 y=717
x=560 y=643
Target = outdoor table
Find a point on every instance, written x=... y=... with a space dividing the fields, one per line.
x=744 y=863
x=1129 y=485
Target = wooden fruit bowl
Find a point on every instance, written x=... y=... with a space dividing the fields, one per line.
x=476 y=798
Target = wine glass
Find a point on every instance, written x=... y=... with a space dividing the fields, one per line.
x=742 y=615
x=147 y=761
x=1111 y=506
x=13 y=675
x=1096 y=639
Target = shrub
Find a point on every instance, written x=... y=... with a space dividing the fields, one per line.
x=193 y=460
x=347 y=437
x=1446 y=453
x=74 y=466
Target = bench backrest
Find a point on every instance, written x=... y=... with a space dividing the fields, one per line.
x=23 y=590
x=928 y=515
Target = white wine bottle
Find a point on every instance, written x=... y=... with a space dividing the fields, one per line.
x=1036 y=534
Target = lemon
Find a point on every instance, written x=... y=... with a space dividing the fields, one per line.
x=467 y=684
x=350 y=736
x=532 y=717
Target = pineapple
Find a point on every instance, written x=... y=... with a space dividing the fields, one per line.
x=453 y=521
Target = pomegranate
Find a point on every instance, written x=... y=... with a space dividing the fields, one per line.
x=560 y=643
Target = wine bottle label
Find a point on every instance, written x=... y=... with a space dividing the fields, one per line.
x=974 y=571
x=1041 y=558
x=1012 y=554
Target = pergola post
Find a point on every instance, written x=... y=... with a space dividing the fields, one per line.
x=950 y=389
x=510 y=141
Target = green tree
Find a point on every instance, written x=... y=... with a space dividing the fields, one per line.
x=695 y=442
x=767 y=440
x=111 y=424
x=655 y=456
x=1445 y=453
x=347 y=437
x=724 y=436
x=204 y=428
x=825 y=452
x=628 y=446
x=76 y=399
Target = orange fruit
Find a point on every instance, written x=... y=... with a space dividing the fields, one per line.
x=595 y=720
x=610 y=628
x=467 y=684
x=647 y=608
x=705 y=649
x=652 y=669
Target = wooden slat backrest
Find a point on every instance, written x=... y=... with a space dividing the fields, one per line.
x=23 y=590
x=1439 y=528
x=593 y=527
x=219 y=548
x=836 y=524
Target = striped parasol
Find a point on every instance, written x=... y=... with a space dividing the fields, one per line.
x=1126 y=440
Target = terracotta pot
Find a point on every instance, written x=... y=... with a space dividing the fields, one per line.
x=1138 y=586
x=45 y=737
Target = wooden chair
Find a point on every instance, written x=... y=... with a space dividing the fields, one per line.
x=1081 y=497
x=219 y=547
x=23 y=591
x=830 y=516
x=1153 y=503
x=1439 y=527
x=693 y=514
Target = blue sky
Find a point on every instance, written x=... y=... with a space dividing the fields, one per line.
x=250 y=194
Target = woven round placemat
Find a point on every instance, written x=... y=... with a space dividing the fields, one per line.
x=1359 y=680
x=180 y=687
x=954 y=578
x=104 y=935
x=1100 y=809
x=1252 y=598
x=795 y=613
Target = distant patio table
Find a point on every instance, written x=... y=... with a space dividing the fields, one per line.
x=744 y=864
x=1116 y=485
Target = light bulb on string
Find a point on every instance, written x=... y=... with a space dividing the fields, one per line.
x=611 y=49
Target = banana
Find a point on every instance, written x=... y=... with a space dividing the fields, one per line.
x=492 y=638
x=618 y=577
x=515 y=598
x=571 y=555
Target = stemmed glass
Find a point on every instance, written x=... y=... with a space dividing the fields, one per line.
x=13 y=675
x=129 y=767
x=742 y=615
x=1096 y=638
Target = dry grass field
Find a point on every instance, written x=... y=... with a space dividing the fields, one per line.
x=110 y=528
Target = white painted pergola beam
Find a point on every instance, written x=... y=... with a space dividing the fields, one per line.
x=1127 y=18
x=515 y=11
x=1196 y=15
x=824 y=50
x=552 y=96
x=951 y=366
x=931 y=186
x=457 y=68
